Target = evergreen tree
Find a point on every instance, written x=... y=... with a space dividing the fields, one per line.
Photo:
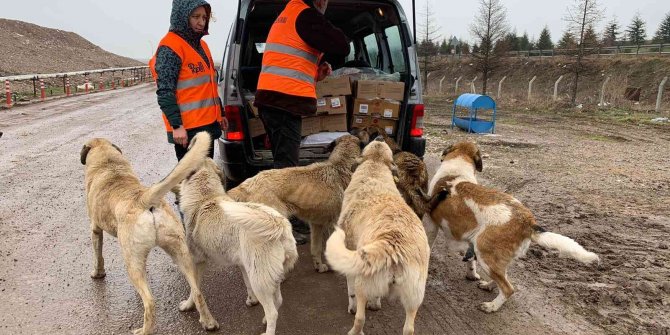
x=465 y=48
x=590 y=38
x=636 y=31
x=444 y=48
x=524 y=42
x=611 y=34
x=663 y=32
x=545 y=43
x=568 y=41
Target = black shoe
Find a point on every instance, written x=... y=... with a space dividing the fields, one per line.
x=299 y=226
x=300 y=239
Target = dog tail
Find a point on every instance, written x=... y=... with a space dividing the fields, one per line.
x=367 y=260
x=258 y=221
x=566 y=246
x=191 y=162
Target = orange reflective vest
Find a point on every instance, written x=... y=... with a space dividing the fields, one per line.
x=197 y=94
x=290 y=66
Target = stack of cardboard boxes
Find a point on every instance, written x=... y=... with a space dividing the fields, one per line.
x=375 y=103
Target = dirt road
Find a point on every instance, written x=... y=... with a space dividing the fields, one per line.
x=45 y=253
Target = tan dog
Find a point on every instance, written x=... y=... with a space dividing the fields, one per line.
x=380 y=244
x=312 y=193
x=496 y=224
x=252 y=236
x=412 y=175
x=118 y=204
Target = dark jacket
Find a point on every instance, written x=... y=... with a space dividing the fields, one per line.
x=319 y=34
x=168 y=65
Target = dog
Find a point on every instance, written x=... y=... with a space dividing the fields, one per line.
x=412 y=178
x=252 y=236
x=311 y=193
x=379 y=244
x=141 y=219
x=497 y=226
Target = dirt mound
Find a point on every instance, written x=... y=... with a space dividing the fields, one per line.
x=29 y=48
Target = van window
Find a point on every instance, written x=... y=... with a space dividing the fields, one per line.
x=372 y=49
x=396 y=49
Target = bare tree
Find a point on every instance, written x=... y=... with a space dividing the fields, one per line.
x=429 y=34
x=581 y=15
x=489 y=26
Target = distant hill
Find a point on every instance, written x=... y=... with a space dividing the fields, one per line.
x=28 y=48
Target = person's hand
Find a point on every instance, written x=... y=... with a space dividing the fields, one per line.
x=224 y=124
x=325 y=70
x=180 y=137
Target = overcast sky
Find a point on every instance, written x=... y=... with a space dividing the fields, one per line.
x=133 y=27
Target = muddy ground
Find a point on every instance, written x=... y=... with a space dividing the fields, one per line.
x=606 y=184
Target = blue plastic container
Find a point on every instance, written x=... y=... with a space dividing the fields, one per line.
x=474 y=103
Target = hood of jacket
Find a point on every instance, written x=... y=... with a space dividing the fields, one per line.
x=181 y=10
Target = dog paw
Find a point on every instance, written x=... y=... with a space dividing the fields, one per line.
x=98 y=274
x=488 y=307
x=251 y=301
x=486 y=286
x=473 y=276
x=141 y=331
x=186 y=305
x=352 y=332
x=209 y=324
x=321 y=268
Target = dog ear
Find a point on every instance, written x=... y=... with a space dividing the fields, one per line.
x=446 y=152
x=478 y=161
x=394 y=172
x=117 y=148
x=84 y=153
x=357 y=162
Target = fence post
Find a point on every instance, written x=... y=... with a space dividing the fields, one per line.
x=602 y=92
x=86 y=85
x=500 y=85
x=472 y=85
x=34 y=86
x=67 y=86
x=556 y=87
x=530 y=87
x=8 y=94
x=101 y=86
x=441 y=80
x=659 y=98
x=457 y=81
x=43 y=93
x=113 y=82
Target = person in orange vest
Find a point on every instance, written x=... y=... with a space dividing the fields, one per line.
x=292 y=64
x=286 y=91
x=186 y=77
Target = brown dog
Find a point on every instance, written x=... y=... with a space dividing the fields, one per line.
x=495 y=224
x=141 y=219
x=412 y=176
x=312 y=193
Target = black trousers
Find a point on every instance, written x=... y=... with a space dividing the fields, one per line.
x=181 y=151
x=283 y=128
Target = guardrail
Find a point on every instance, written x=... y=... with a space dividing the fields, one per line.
x=633 y=50
x=62 y=83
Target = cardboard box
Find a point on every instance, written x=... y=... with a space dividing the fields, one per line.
x=256 y=127
x=334 y=86
x=371 y=89
x=337 y=122
x=310 y=125
x=362 y=121
x=331 y=105
x=388 y=109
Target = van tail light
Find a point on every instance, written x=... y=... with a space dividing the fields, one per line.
x=234 y=132
x=416 y=129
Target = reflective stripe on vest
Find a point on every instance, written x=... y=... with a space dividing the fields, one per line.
x=196 y=91
x=290 y=65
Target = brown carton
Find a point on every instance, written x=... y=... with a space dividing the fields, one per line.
x=310 y=125
x=362 y=121
x=331 y=105
x=388 y=109
x=337 y=122
x=256 y=127
x=372 y=89
x=334 y=86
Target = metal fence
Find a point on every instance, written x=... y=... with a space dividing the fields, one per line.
x=633 y=50
x=41 y=86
